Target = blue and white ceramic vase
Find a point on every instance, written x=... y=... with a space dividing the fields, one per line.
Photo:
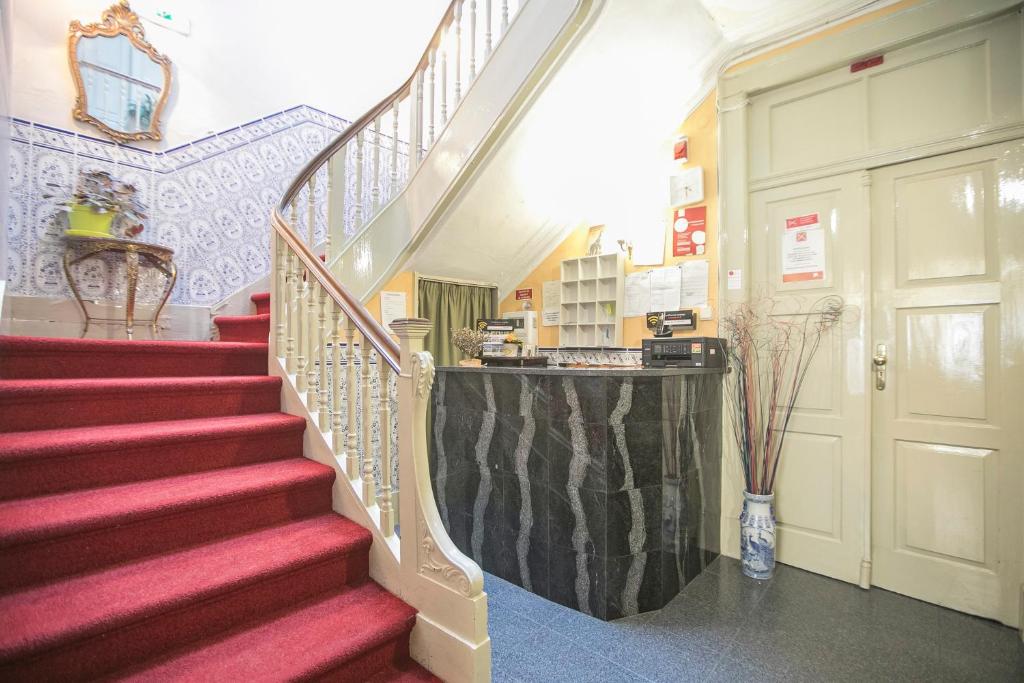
x=757 y=536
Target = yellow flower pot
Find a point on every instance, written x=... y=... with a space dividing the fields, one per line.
x=85 y=222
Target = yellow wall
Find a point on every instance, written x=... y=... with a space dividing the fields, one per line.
x=701 y=129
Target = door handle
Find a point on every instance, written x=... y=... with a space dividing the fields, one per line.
x=880 y=361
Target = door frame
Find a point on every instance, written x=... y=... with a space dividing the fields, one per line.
x=875 y=33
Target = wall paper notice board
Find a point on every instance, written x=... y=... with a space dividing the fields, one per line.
x=667 y=289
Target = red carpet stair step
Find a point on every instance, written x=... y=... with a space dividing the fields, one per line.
x=247 y=328
x=159 y=522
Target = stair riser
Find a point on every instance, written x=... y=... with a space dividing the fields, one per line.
x=50 y=559
x=35 y=477
x=65 y=364
x=255 y=331
x=362 y=668
x=92 y=657
x=262 y=307
x=56 y=411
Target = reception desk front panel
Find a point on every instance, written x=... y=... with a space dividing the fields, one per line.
x=597 y=489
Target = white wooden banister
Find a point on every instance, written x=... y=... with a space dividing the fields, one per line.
x=345 y=372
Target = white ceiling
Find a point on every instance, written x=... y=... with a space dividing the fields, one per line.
x=592 y=147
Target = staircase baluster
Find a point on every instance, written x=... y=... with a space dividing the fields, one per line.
x=472 y=40
x=369 y=492
x=504 y=17
x=291 y=294
x=394 y=150
x=444 y=84
x=324 y=398
x=375 y=184
x=458 y=52
x=301 y=328
x=338 y=165
x=351 y=452
x=279 y=295
x=337 y=435
x=359 y=180
x=387 y=506
x=487 y=30
x=327 y=229
x=416 y=143
x=312 y=342
x=430 y=129
x=311 y=201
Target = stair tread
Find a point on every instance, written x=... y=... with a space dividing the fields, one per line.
x=14 y=344
x=18 y=446
x=27 y=520
x=252 y=318
x=44 y=617
x=12 y=389
x=318 y=637
x=260 y=296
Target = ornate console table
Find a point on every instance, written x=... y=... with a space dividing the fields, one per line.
x=135 y=253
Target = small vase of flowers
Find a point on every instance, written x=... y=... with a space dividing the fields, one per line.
x=99 y=199
x=513 y=345
x=471 y=343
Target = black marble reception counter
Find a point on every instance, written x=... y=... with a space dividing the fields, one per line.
x=597 y=488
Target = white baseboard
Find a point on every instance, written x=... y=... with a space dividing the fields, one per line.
x=37 y=316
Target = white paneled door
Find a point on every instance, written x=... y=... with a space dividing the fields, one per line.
x=947 y=385
x=821 y=509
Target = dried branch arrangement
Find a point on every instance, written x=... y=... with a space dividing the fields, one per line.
x=769 y=355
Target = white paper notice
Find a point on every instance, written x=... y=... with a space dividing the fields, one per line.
x=693 y=292
x=735 y=279
x=803 y=249
x=637 y=294
x=665 y=285
x=551 y=294
x=392 y=307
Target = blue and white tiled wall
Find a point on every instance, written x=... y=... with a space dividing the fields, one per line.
x=209 y=200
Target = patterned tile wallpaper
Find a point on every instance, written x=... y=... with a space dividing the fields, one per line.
x=209 y=200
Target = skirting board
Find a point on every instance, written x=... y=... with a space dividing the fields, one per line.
x=38 y=316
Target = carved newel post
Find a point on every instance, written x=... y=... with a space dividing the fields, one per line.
x=443 y=581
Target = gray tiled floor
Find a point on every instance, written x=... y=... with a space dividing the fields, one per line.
x=725 y=627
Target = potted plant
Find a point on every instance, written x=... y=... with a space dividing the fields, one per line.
x=97 y=200
x=769 y=356
x=471 y=343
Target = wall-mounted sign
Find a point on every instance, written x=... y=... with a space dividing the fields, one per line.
x=735 y=278
x=687 y=187
x=866 y=63
x=681 y=150
x=803 y=249
x=689 y=231
x=524 y=294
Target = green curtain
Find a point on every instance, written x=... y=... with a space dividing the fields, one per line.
x=449 y=306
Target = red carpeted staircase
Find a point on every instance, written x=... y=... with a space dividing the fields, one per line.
x=158 y=521
x=247 y=328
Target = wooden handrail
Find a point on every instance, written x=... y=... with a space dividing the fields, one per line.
x=355 y=311
x=350 y=305
x=366 y=119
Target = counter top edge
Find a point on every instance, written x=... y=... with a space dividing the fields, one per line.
x=588 y=372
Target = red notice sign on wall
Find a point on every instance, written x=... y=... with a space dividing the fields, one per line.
x=689 y=231
x=803 y=249
x=524 y=294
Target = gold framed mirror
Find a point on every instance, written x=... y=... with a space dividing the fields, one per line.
x=121 y=80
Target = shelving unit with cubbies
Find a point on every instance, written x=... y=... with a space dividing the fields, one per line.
x=592 y=300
